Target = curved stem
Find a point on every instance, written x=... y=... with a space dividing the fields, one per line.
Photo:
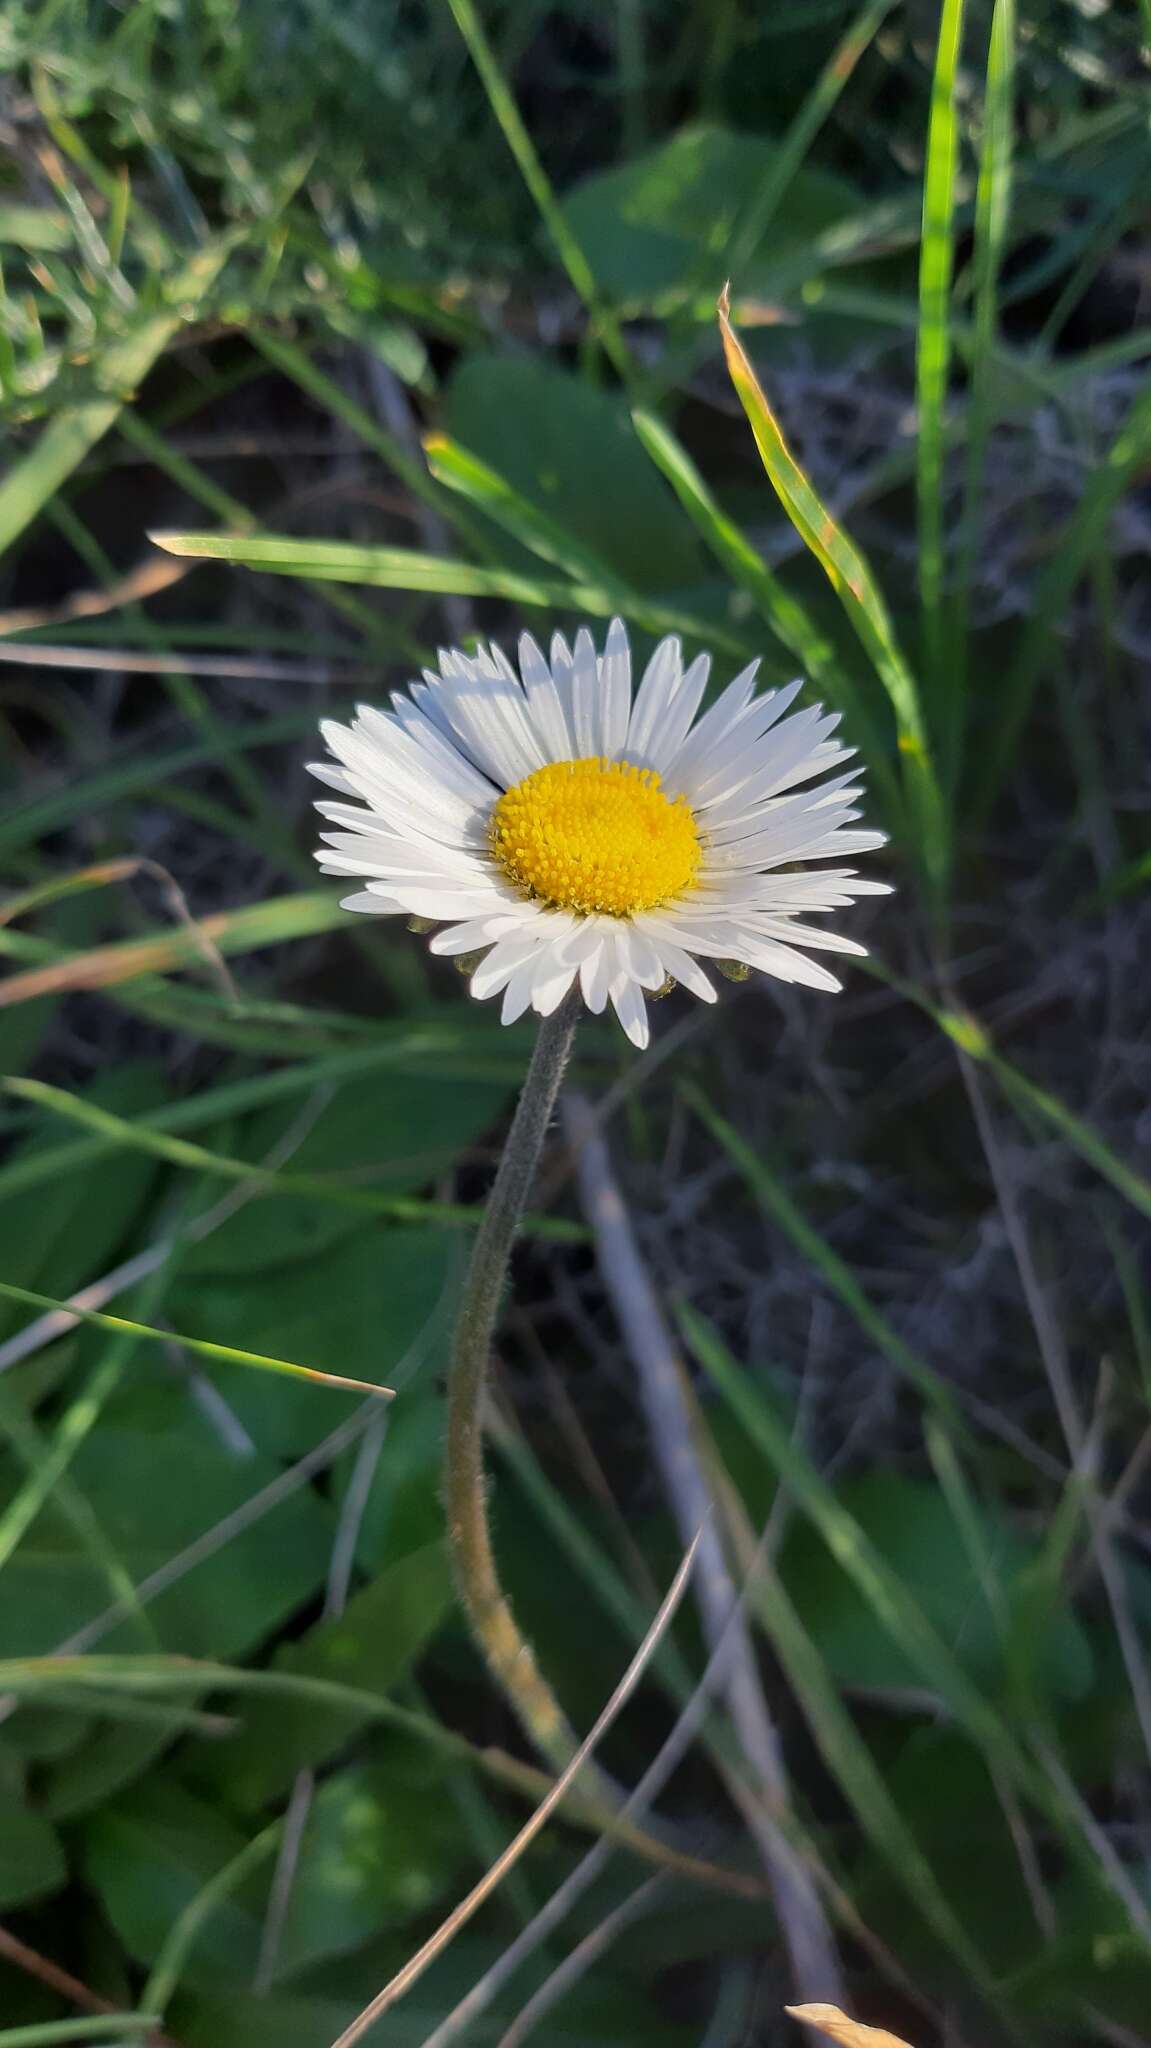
x=510 y=1658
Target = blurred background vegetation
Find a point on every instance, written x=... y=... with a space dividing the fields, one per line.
x=429 y=292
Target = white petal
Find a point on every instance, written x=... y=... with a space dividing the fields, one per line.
x=678 y=712
x=720 y=719
x=377 y=906
x=630 y=1008
x=488 y=717
x=660 y=681
x=786 y=965
x=639 y=958
x=504 y=960
x=545 y=705
x=518 y=993
x=475 y=932
x=596 y=969
x=682 y=968
x=615 y=692
x=788 y=932
x=551 y=981
x=585 y=695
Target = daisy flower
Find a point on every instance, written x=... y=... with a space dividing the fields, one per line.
x=570 y=832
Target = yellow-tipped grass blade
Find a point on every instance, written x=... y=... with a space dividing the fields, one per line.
x=852 y=580
x=218 y=1353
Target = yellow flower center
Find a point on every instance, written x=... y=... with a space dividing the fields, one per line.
x=595 y=835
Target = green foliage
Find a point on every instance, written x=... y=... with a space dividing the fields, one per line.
x=415 y=311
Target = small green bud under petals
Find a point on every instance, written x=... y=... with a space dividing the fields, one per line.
x=733 y=970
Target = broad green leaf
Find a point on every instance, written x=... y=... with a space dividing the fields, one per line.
x=155 y=1491
x=378 y=1139
x=360 y=1305
x=78 y=1222
x=955 y=1813
x=115 y=1755
x=32 y=1863
x=433 y=1118
x=219 y=1354
x=380 y=1848
x=409 y=1048
x=663 y=224
x=911 y=1528
x=148 y=1855
x=371 y=1646
x=571 y=452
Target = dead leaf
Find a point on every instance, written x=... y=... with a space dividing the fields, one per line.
x=849 y=2033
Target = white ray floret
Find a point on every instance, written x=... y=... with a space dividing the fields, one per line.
x=578 y=837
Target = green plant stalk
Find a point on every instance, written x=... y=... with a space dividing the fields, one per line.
x=510 y=1659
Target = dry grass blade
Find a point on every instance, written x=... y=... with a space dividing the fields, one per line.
x=837 y=2027
x=582 y=1957
x=416 y=1965
x=807 y=1936
x=205 y=938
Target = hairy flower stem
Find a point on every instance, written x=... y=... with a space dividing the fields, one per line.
x=510 y=1659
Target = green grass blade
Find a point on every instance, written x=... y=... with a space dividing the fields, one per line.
x=898 y=1612
x=795 y=144
x=75 y=429
x=37 y=1457
x=138 y=1135
x=47 y=1461
x=83 y=2027
x=466 y=474
x=773 y=1196
x=937 y=256
x=181 y=1938
x=1034 y=1102
x=381 y=568
x=412 y=1048
x=387 y=635
x=225 y=1354
x=23 y=823
x=992 y=210
x=244 y=930
x=855 y=586
x=895 y=1608
x=836 y=1736
x=36 y=1677
x=406 y=569
x=787 y=617
x=1085 y=537
x=523 y=149
x=1027 y=1096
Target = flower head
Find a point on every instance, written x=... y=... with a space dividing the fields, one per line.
x=568 y=832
